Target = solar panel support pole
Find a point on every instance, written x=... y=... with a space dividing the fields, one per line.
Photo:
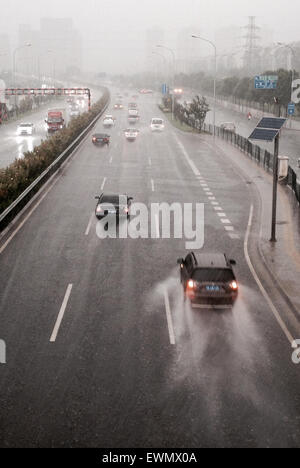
x=275 y=187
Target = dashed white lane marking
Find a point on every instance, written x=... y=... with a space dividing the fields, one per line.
x=215 y=203
x=212 y=198
x=89 y=225
x=61 y=313
x=169 y=318
x=152 y=185
x=198 y=175
x=222 y=215
x=217 y=208
x=103 y=183
x=150 y=161
x=229 y=228
x=233 y=236
x=262 y=289
x=111 y=160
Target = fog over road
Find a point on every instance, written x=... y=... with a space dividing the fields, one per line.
x=112 y=378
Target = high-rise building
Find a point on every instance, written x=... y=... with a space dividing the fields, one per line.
x=188 y=50
x=62 y=44
x=154 y=37
x=26 y=58
x=5 y=53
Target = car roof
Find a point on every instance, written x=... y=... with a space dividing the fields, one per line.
x=99 y=135
x=113 y=198
x=211 y=260
x=27 y=124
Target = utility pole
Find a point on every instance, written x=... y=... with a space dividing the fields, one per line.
x=250 y=46
x=275 y=186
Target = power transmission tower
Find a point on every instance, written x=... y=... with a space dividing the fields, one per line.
x=251 y=37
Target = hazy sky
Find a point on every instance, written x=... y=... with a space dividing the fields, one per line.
x=96 y=14
x=119 y=23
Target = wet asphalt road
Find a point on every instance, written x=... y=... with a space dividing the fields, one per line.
x=13 y=146
x=112 y=378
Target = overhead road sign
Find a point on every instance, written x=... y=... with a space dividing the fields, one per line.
x=49 y=91
x=265 y=81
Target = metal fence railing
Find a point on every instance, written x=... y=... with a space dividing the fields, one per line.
x=261 y=156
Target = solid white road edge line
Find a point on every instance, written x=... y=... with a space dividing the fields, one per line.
x=89 y=225
x=61 y=314
x=169 y=318
x=103 y=183
x=191 y=163
x=152 y=185
x=262 y=289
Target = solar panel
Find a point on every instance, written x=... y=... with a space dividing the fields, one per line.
x=263 y=134
x=271 y=122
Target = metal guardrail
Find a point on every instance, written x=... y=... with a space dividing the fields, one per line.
x=10 y=212
x=261 y=156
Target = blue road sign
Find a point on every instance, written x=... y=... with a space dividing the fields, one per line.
x=265 y=82
x=291 y=108
x=164 y=89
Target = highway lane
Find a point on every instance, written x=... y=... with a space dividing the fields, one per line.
x=13 y=146
x=112 y=378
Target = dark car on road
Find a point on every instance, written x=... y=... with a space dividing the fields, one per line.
x=101 y=139
x=115 y=205
x=208 y=279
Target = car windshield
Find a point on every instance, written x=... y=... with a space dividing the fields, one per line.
x=26 y=125
x=157 y=122
x=214 y=275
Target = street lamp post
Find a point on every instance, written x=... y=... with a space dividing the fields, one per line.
x=287 y=46
x=174 y=72
x=215 y=78
x=164 y=60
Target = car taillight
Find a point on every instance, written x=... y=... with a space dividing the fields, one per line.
x=234 y=286
x=126 y=210
x=191 y=284
x=99 y=209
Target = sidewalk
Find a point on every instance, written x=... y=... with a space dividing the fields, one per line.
x=283 y=257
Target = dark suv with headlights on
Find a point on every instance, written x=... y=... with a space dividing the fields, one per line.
x=113 y=205
x=208 y=280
